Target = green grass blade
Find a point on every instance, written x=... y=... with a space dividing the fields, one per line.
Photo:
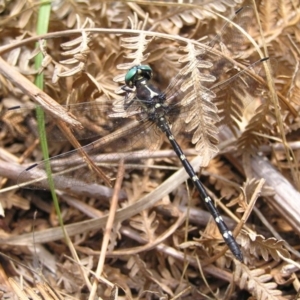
x=42 y=28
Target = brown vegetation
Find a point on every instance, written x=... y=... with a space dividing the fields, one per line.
x=150 y=236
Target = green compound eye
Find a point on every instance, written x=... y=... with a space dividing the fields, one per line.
x=137 y=73
x=129 y=77
x=146 y=71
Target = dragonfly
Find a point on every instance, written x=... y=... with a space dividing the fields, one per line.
x=140 y=119
x=155 y=105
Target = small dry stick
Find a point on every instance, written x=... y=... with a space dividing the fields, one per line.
x=109 y=226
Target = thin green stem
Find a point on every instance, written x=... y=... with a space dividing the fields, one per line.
x=42 y=28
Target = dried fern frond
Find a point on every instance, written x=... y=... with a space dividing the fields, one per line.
x=78 y=49
x=259 y=246
x=208 y=60
x=136 y=45
x=148 y=225
x=72 y=12
x=260 y=123
x=172 y=19
x=198 y=100
x=257 y=282
x=221 y=177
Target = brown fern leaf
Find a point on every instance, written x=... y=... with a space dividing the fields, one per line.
x=70 y=12
x=202 y=113
x=23 y=14
x=96 y=80
x=269 y=15
x=145 y=223
x=78 y=49
x=260 y=123
x=286 y=9
x=237 y=97
x=14 y=123
x=138 y=267
x=221 y=175
x=136 y=45
x=180 y=16
x=258 y=245
x=248 y=189
x=116 y=13
x=256 y=282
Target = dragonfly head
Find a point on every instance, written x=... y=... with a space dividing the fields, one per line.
x=137 y=73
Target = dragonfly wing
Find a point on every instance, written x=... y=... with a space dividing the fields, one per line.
x=105 y=153
x=92 y=115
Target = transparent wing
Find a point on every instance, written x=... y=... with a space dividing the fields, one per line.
x=92 y=115
x=105 y=152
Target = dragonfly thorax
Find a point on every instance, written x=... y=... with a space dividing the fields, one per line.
x=152 y=101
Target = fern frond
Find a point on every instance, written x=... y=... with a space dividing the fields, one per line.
x=269 y=15
x=71 y=12
x=78 y=49
x=249 y=187
x=205 y=58
x=286 y=10
x=117 y=13
x=136 y=45
x=198 y=100
x=258 y=245
x=24 y=13
x=138 y=267
x=257 y=282
x=260 y=123
x=200 y=12
x=145 y=223
x=222 y=174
